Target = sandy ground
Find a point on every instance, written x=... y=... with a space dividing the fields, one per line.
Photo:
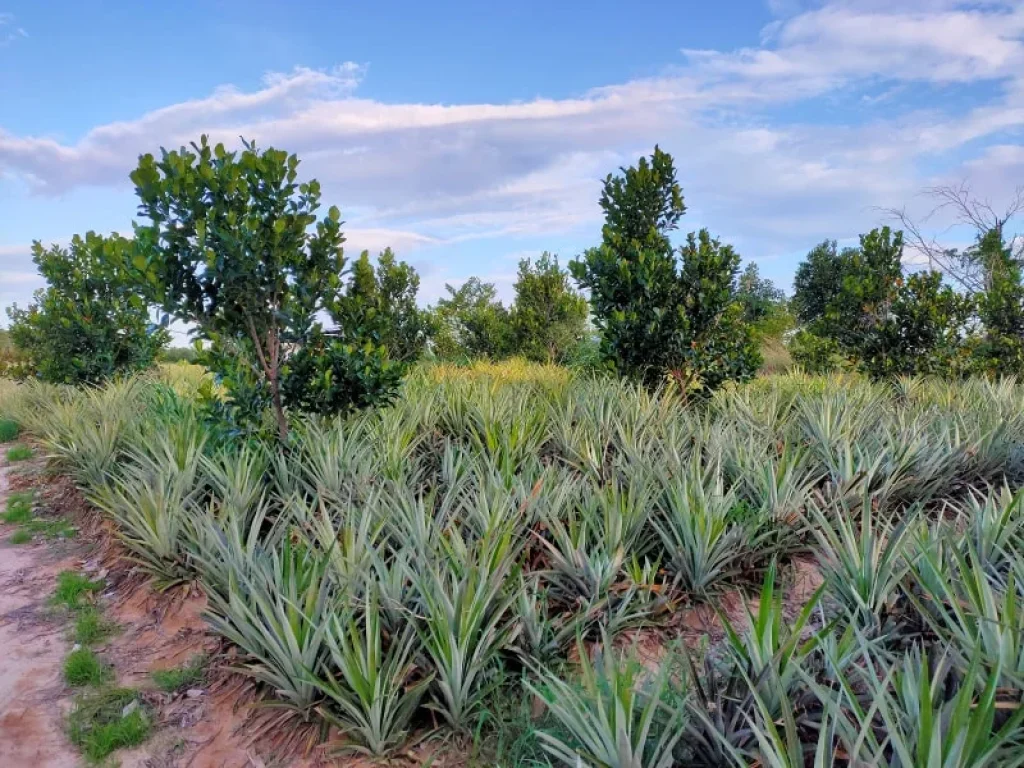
x=32 y=647
x=206 y=727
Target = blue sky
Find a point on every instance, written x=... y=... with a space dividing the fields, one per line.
x=468 y=135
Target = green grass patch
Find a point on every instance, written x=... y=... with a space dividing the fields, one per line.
x=19 y=453
x=52 y=529
x=97 y=724
x=16 y=514
x=83 y=667
x=73 y=587
x=179 y=678
x=20 y=536
x=91 y=626
x=9 y=429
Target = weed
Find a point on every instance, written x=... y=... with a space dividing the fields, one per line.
x=19 y=453
x=52 y=529
x=72 y=587
x=83 y=667
x=20 y=536
x=179 y=678
x=9 y=430
x=91 y=626
x=102 y=721
x=17 y=513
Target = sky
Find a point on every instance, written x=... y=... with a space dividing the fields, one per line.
x=467 y=136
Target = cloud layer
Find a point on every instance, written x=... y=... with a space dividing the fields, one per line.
x=840 y=110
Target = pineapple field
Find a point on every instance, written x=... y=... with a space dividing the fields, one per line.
x=518 y=565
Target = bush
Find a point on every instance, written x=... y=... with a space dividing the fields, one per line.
x=89 y=323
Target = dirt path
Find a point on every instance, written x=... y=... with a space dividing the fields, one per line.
x=199 y=728
x=32 y=647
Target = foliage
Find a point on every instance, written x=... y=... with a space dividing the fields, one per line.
x=616 y=718
x=426 y=567
x=819 y=279
x=89 y=323
x=548 y=317
x=1000 y=308
x=765 y=307
x=471 y=323
x=9 y=430
x=380 y=307
x=877 y=319
x=234 y=247
x=660 y=313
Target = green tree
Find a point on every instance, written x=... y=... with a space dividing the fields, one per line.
x=662 y=313
x=233 y=246
x=876 y=319
x=471 y=322
x=765 y=307
x=89 y=323
x=922 y=332
x=380 y=305
x=1000 y=307
x=549 y=317
x=819 y=279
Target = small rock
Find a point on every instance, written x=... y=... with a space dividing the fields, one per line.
x=130 y=707
x=195 y=693
x=102 y=574
x=76 y=647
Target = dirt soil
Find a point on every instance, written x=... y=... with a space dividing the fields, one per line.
x=32 y=647
x=215 y=725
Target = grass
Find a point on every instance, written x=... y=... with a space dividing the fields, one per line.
x=20 y=536
x=72 y=588
x=9 y=429
x=179 y=678
x=83 y=667
x=17 y=513
x=19 y=453
x=91 y=626
x=98 y=726
x=58 y=528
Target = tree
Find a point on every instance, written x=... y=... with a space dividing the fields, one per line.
x=819 y=279
x=472 y=322
x=1000 y=308
x=966 y=268
x=381 y=306
x=922 y=333
x=661 y=313
x=548 y=318
x=765 y=307
x=234 y=247
x=89 y=323
x=875 y=318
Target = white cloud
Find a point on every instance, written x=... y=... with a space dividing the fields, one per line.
x=419 y=175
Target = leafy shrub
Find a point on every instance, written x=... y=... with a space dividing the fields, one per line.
x=89 y=323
